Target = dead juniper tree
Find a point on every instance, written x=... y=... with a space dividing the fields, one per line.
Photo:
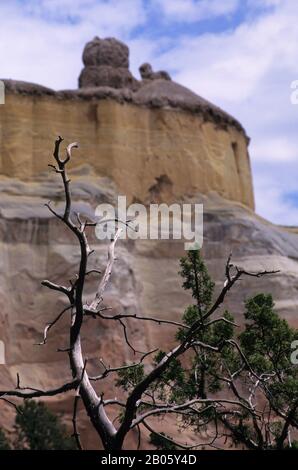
x=150 y=386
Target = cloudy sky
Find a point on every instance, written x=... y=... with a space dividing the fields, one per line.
x=240 y=54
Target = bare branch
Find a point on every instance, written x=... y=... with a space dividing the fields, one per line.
x=51 y=324
x=134 y=316
x=76 y=434
x=107 y=274
x=168 y=439
x=35 y=393
x=221 y=319
x=108 y=370
x=96 y=271
x=11 y=404
x=163 y=409
x=51 y=285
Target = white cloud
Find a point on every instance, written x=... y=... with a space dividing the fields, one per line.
x=272 y=203
x=274 y=149
x=263 y=3
x=231 y=65
x=37 y=44
x=108 y=15
x=194 y=10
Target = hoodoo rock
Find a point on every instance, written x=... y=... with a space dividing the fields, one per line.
x=107 y=51
x=151 y=140
x=106 y=64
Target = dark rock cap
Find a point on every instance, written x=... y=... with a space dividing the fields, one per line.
x=107 y=51
x=147 y=73
x=106 y=75
x=106 y=64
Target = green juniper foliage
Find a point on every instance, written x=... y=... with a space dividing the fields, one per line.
x=37 y=428
x=255 y=361
x=267 y=338
x=197 y=279
x=161 y=442
x=266 y=342
x=130 y=377
x=4 y=443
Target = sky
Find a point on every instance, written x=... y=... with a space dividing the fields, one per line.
x=240 y=54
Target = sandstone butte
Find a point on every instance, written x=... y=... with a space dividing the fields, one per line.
x=154 y=141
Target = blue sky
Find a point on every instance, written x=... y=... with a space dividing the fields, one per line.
x=240 y=54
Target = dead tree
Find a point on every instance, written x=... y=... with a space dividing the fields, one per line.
x=140 y=404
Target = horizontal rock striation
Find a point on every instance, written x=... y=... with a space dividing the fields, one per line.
x=132 y=137
x=145 y=280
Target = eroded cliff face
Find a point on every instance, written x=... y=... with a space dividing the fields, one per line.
x=145 y=280
x=132 y=142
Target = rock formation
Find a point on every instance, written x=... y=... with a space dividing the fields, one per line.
x=147 y=73
x=161 y=129
x=106 y=64
x=156 y=141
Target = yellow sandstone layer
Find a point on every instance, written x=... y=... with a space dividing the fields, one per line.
x=148 y=152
